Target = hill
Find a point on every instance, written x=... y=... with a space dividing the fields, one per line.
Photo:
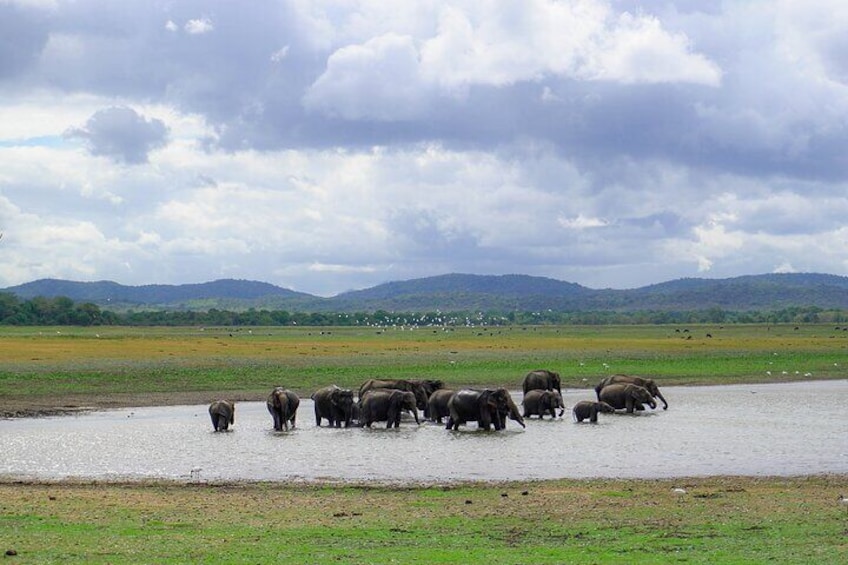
x=464 y=292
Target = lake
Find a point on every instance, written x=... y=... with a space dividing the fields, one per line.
x=754 y=430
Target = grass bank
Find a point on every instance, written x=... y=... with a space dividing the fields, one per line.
x=42 y=368
x=718 y=520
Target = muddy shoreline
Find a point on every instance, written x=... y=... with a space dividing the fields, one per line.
x=44 y=406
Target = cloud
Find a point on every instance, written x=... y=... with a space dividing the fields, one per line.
x=121 y=134
x=328 y=145
x=199 y=26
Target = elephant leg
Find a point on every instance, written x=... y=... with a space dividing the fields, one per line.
x=593 y=417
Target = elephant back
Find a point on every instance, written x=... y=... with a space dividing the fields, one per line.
x=438 y=404
x=541 y=379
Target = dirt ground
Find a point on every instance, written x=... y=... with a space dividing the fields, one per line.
x=20 y=407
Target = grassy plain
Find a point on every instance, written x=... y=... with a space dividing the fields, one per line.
x=718 y=520
x=44 y=368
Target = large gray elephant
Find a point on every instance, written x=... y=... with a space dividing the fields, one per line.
x=627 y=396
x=223 y=414
x=488 y=407
x=542 y=379
x=386 y=405
x=649 y=384
x=400 y=384
x=507 y=408
x=335 y=404
x=540 y=402
x=437 y=405
x=590 y=409
x=282 y=404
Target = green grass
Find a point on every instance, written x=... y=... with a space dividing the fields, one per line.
x=40 y=362
x=721 y=520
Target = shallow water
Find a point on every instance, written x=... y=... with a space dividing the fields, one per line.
x=773 y=429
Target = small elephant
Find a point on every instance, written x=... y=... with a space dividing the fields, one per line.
x=542 y=379
x=649 y=384
x=627 y=396
x=223 y=414
x=590 y=409
x=282 y=404
x=437 y=405
x=334 y=404
x=386 y=405
x=540 y=402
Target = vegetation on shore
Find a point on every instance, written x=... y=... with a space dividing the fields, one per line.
x=66 y=367
x=716 y=520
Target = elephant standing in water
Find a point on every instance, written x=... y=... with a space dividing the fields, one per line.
x=282 y=404
x=540 y=402
x=589 y=409
x=437 y=405
x=487 y=407
x=223 y=414
x=415 y=387
x=335 y=405
x=386 y=405
x=541 y=379
x=649 y=384
x=627 y=396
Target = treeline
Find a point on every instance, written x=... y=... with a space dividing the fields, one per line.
x=63 y=311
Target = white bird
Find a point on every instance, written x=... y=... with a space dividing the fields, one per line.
x=843 y=501
x=679 y=491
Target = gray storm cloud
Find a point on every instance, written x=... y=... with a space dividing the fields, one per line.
x=121 y=134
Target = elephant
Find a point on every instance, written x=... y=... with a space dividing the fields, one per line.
x=400 y=384
x=334 y=404
x=628 y=396
x=437 y=405
x=507 y=408
x=649 y=384
x=489 y=407
x=282 y=404
x=430 y=386
x=590 y=409
x=386 y=405
x=223 y=414
x=542 y=379
x=541 y=402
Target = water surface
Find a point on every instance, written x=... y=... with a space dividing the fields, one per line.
x=774 y=429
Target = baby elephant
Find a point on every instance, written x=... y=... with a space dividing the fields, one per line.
x=223 y=413
x=589 y=409
x=541 y=402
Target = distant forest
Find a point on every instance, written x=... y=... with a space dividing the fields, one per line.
x=62 y=311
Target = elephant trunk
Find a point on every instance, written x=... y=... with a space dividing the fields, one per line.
x=661 y=397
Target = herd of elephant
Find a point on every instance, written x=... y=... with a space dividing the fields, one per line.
x=386 y=400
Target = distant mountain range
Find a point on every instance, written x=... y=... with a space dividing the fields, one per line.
x=462 y=292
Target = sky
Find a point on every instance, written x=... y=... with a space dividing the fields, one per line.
x=332 y=145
